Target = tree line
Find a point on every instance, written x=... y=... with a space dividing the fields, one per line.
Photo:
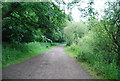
x=32 y=21
x=97 y=42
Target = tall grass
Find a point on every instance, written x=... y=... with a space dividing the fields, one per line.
x=14 y=53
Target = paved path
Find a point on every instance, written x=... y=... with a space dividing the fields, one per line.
x=54 y=64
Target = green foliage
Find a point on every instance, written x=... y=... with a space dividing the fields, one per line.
x=95 y=42
x=14 y=53
x=100 y=45
x=74 y=31
x=30 y=21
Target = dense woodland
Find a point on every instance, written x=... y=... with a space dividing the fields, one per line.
x=31 y=25
x=28 y=22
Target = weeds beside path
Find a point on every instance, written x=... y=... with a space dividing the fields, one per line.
x=15 y=53
x=53 y=64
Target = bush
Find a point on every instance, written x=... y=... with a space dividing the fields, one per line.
x=74 y=31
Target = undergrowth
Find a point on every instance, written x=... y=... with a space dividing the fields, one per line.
x=15 y=53
x=94 y=63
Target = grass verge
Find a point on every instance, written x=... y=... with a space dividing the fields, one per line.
x=85 y=65
x=15 y=53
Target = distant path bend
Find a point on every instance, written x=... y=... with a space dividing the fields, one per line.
x=54 y=64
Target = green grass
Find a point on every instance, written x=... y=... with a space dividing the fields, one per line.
x=15 y=53
x=97 y=69
x=85 y=65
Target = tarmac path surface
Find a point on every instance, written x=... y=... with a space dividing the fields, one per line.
x=53 y=64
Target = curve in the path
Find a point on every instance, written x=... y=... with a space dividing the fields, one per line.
x=54 y=64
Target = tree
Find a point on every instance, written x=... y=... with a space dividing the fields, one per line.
x=21 y=20
x=111 y=24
